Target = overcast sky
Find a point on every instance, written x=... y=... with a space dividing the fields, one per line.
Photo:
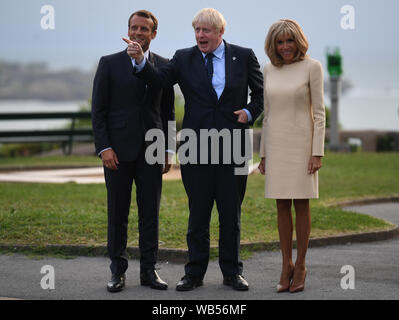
x=86 y=30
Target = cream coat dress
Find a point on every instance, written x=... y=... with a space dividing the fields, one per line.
x=293 y=128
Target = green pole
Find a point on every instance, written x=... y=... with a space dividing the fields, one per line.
x=334 y=66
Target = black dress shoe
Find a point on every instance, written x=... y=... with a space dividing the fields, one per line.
x=237 y=282
x=188 y=283
x=151 y=278
x=117 y=283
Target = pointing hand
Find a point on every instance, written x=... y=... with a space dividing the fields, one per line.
x=134 y=50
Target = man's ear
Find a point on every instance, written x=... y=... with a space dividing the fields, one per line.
x=153 y=35
x=221 y=31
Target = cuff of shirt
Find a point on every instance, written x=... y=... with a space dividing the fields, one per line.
x=170 y=153
x=248 y=114
x=104 y=150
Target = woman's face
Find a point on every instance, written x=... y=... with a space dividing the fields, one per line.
x=286 y=48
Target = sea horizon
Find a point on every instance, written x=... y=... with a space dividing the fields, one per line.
x=359 y=109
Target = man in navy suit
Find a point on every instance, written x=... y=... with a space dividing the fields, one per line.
x=214 y=77
x=124 y=107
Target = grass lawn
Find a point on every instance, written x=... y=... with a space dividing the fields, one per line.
x=40 y=214
x=21 y=162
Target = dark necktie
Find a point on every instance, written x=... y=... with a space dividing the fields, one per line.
x=209 y=65
x=140 y=85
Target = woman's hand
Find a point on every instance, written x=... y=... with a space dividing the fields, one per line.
x=261 y=166
x=314 y=164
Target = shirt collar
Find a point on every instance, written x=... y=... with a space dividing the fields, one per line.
x=219 y=51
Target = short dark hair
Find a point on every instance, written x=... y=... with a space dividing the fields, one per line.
x=145 y=14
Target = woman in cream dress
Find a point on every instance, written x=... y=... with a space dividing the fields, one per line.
x=292 y=143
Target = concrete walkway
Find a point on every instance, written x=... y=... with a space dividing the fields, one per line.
x=79 y=175
x=376 y=267
x=76 y=175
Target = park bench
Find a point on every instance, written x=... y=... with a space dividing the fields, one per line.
x=65 y=136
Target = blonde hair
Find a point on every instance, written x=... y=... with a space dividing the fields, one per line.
x=279 y=29
x=211 y=17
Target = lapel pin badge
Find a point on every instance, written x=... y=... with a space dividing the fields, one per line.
x=234 y=58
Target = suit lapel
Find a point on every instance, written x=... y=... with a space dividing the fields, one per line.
x=228 y=62
x=128 y=63
x=139 y=85
x=151 y=58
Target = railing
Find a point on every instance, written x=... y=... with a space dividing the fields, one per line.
x=66 y=136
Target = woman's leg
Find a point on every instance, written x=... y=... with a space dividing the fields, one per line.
x=303 y=226
x=285 y=229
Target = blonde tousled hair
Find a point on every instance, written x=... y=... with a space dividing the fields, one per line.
x=211 y=17
x=279 y=29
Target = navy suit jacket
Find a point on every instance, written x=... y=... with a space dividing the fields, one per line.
x=124 y=108
x=203 y=110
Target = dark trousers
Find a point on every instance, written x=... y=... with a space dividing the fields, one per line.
x=148 y=180
x=206 y=184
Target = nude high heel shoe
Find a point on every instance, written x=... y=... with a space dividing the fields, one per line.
x=283 y=288
x=299 y=287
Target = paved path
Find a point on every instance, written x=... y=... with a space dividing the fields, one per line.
x=376 y=268
x=76 y=175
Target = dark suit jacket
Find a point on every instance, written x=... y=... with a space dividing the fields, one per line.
x=203 y=110
x=124 y=108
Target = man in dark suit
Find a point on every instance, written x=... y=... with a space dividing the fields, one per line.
x=214 y=77
x=123 y=109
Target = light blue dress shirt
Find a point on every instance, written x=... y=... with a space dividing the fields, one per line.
x=140 y=66
x=219 y=73
x=219 y=69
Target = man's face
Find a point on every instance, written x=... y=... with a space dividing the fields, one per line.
x=208 y=38
x=140 y=30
